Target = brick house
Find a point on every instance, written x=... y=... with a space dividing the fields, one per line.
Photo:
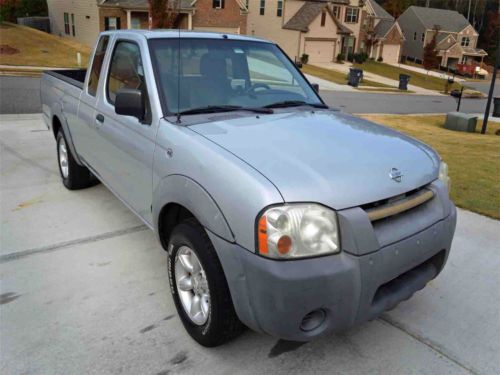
x=323 y=29
x=456 y=39
x=82 y=20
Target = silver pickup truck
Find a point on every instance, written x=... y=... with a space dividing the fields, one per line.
x=276 y=212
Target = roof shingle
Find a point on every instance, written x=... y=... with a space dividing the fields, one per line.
x=447 y=20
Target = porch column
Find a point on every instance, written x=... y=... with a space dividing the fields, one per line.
x=190 y=21
x=129 y=19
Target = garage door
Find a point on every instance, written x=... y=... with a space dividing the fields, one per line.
x=390 y=54
x=320 y=51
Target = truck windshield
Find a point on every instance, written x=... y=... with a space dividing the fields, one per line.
x=226 y=73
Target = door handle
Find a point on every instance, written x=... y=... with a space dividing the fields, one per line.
x=99 y=118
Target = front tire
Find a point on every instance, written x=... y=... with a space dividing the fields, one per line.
x=199 y=287
x=73 y=176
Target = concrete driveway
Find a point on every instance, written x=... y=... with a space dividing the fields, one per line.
x=84 y=289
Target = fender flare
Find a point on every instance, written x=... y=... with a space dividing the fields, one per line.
x=57 y=112
x=185 y=191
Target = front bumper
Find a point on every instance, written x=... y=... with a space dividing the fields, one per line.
x=274 y=296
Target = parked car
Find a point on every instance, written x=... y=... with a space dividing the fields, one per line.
x=276 y=212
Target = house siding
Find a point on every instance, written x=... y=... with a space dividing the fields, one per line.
x=230 y=18
x=86 y=14
x=410 y=24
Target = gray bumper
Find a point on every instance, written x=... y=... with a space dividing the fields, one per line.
x=274 y=296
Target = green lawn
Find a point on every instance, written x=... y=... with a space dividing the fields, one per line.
x=417 y=79
x=337 y=77
x=473 y=159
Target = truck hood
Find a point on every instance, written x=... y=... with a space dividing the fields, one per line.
x=324 y=156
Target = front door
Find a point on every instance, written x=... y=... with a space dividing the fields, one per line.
x=125 y=145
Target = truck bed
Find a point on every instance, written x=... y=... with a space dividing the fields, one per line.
x=75 y=77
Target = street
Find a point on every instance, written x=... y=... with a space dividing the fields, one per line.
x=84 y=289
x=22 y=95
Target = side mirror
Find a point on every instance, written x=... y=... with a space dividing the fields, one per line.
x=130 y=102
x=315 y=86
x=298 y=64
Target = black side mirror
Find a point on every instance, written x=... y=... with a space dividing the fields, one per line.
x=315 y=86
x=130 y=102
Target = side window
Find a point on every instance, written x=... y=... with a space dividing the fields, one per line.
x=95 y=70
x=125 y=70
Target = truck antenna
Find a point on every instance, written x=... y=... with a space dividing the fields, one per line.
x=178 y=63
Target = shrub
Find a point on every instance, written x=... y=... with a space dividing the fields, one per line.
x=304 y=58
x=380 y=59
x=340 y=58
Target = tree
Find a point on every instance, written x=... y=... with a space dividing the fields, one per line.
x=491 y=35
x=431 y=58
x=10 y=10
x=164 y=13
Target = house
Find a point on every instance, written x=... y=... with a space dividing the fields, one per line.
x=456 y=38
x=384 y=37
x=323 y=29
x=82 y=20
x=76 y=19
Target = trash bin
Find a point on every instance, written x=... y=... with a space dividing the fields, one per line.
x=496 y=107
x=403 y=81
x=355 y=76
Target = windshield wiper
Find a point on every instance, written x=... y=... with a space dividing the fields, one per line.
x=294 y=103
x=223 y=108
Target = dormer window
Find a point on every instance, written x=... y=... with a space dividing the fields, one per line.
x=465 y=41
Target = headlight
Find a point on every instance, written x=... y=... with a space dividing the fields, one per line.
x=297 y=231
x=443 y=174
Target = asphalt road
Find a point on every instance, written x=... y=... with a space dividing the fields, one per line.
x=84 y=289
x=22 y=95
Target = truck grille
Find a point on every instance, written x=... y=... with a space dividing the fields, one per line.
x=398 y=204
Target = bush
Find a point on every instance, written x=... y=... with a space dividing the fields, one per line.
x=304 y=58
x=340 y=58
x=380 y=59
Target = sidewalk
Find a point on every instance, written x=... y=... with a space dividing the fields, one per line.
x=344 y=68
x=416 y=69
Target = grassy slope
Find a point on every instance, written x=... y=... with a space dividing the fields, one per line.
x=473 y=159
x=417 y=79
x=335 y=76
x=40 y=49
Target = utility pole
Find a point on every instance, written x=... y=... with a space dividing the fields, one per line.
x=490 y=94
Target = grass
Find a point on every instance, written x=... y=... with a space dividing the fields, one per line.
x=337 y=77
x=417 y=79
x=473 y=159
x=37 y=48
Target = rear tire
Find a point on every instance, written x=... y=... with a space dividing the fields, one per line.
x=73 y=176
x=218 y=323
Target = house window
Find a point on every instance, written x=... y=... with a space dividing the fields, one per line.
x=422 y=38
x=351 y=15
x=415 y=35
x=111 y=23
x=218 y=4
x=66 y=23
x=336 y=11
x=323 y=18
x=279 y=10
x=465 y=41
x=73 y=24
x=262 y=8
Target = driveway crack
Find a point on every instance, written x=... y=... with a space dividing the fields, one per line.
x=427 y=342
x=62 y=245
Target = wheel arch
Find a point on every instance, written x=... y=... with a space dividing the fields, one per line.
x=179 y=197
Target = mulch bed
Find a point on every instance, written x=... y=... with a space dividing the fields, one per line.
x=7 y=50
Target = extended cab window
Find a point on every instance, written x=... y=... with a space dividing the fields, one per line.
x=125 y=70
x=95 y=70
